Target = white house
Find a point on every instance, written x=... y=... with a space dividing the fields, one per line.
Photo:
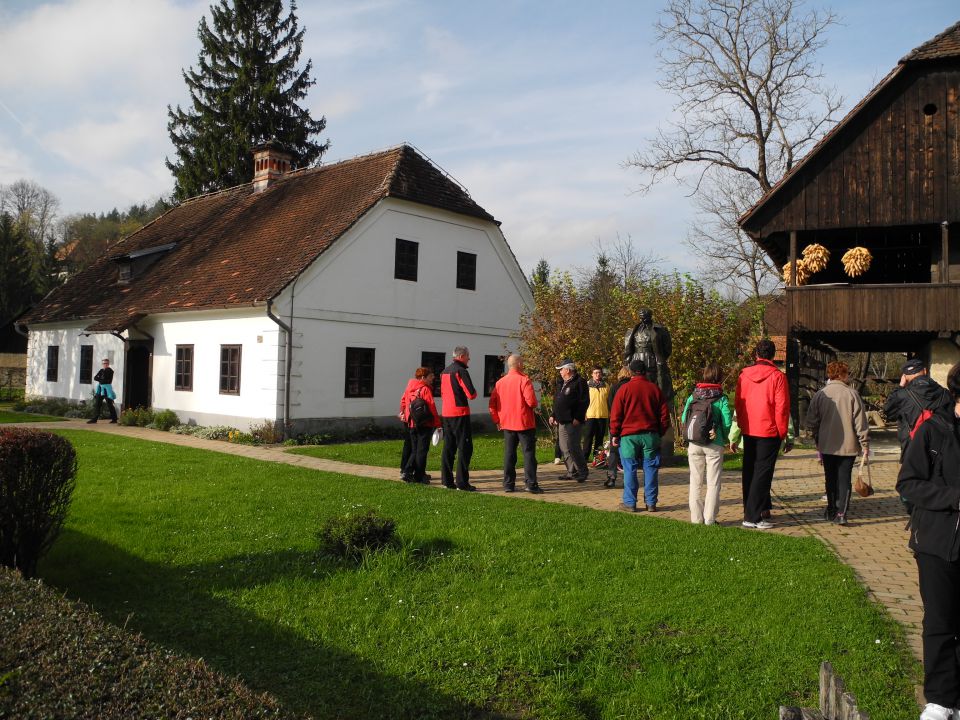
x=305 y=297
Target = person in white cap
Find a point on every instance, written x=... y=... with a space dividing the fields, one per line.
x=569 y=413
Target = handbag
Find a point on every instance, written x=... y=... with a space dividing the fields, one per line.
x=863 y=486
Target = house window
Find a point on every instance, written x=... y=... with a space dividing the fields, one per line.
x=405 y=261
x=358 y=381
x=466 y=271
x=86 y=364
x=436 y=362
x=230 y=369
x=183 y=374
x=492 y=371
x=53 y=362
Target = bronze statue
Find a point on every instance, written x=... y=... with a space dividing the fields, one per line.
x=650 y=342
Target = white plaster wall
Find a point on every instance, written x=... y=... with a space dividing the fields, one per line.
x=355 y=277
x=350 y=298
x=68 y=337
x=207 y=331
x=320 y=366
x=943 y=355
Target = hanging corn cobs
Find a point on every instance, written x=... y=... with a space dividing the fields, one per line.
x=856 y=261
x=803 y=273
x=815 y=257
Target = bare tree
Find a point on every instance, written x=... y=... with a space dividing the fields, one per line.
x=622 y=261
x=33 y=208
x=751 y=101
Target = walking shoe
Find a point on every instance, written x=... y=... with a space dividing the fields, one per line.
x=113 y=422
x=534 y=489
x=582 y=479
x=610 y=482
x=407 y=478
x=425 y=480
x=936 y=712
x=449 y=486
x=829 y=515
x=557 y=461
x=841 y=519
x=626 y=508
x=747 y=523
x=764 y=525
x=651 y=508
x=467 y=488
x=427 y=477
x=509 y=488
x=566 y=476
x=92 y=422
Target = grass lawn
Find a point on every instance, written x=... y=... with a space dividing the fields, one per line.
x=493 y=608
x=487 y=453
x=9 y=416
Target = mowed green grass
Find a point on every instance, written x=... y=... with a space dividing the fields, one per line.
x=492 y=607
x=487 y=453
x=9 y=416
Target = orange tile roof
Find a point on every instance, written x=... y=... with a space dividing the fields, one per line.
x=236 y=247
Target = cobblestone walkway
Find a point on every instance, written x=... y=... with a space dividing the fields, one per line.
x=873 y=543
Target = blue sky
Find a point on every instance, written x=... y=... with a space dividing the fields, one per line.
x=532 y=106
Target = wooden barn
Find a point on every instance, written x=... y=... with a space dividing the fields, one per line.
x=885 y=179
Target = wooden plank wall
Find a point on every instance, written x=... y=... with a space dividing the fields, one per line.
x=880 y=308
x=893 y=165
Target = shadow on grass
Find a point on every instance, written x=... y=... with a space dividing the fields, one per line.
x=177 y=607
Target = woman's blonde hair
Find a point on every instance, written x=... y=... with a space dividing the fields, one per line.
x=624 y=373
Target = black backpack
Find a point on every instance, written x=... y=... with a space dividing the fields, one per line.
x=699 y=422
x=420 y=412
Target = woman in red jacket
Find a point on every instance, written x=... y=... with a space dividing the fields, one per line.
x=421 y=422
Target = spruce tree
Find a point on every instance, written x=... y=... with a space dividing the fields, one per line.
x=246 y=90
x=16 y=270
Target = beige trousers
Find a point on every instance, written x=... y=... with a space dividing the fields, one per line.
x=706 y=464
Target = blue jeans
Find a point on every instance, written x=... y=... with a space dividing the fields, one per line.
x=648 y=450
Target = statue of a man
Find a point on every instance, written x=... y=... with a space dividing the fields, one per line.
x=651 y=343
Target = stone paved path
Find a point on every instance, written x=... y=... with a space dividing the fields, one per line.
x=873 y=543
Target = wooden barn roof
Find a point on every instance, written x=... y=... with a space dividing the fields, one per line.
x=944 y=46
x=237 y=247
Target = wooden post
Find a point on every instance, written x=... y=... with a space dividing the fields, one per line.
x=793 y=258
x=944 y=252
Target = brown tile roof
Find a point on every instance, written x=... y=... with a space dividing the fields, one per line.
x=943 y=46
x=235 y=247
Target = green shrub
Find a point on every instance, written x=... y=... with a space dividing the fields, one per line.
x=141 y=417
x=165 y=419
x=37 y=476
x=266 y=432
x=214 y=432
x=68 y=663
x=353 y=535
x=55 y=406
x=313 y=439
x=241 y=438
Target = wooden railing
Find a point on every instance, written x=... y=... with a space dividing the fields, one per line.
x=876 y=308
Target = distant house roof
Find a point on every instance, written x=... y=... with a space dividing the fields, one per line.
x=236 y=248
x=945 y=45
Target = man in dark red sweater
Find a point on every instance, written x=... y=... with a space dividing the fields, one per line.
x=638 y=419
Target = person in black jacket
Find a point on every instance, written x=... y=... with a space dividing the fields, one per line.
x=917 y=392
x=569 y=414
x=104 y=391
x=613 y=457
x=929 y=479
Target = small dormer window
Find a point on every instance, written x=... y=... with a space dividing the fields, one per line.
x=126 y=271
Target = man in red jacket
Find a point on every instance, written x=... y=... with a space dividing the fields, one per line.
x=456 y=392
x=638 y=419
x=763 y=409
x=511 y=407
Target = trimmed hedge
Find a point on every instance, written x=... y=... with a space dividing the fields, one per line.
x=59 y=659
x=37 y=475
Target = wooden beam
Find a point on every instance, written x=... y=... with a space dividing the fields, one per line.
x=944 y=252
x=793 y=258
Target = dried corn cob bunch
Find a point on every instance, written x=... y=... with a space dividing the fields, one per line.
x=803 y=273
x=815 y=257
x=856 y=261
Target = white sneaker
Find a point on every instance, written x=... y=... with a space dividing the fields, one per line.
x=557 y=461
x=936 y=712
x=747 y=523
x=764 y=525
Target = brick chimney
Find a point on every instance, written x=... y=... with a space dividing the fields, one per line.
x=270 y=161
